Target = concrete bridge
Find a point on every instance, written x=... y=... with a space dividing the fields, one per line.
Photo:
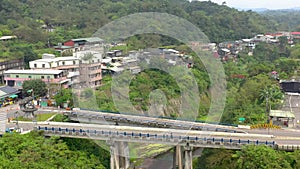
x=184 y=141
x=120 y=129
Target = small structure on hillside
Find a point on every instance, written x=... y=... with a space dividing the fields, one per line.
x=290 y=86
x=282 y=118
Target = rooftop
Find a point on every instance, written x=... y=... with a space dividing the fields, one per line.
x=281 y=113
x=5 y=91
x=56 y=59
x=36 y=71
x=295 y=33
x=7 y=37
x=91 y=39
x=62 y=47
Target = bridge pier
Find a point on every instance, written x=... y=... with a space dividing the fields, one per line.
x=188 y=157
x=179 y=156
x=119 y=155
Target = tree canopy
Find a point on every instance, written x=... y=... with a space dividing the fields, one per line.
x=37 y=87
x=249 y=157
x=34 y=151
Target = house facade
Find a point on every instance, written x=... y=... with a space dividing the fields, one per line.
x=69 y=64
x=16 y=78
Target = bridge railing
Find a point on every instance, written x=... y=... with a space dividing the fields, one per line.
x=288 y=147
x=140 y=135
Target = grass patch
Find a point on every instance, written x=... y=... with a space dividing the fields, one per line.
x=61 y=118
x=147 y=150
x=39 y=117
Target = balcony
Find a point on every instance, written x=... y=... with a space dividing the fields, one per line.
x=95 y=71
x=51 y=80
x=98 y=78
x=62 y=67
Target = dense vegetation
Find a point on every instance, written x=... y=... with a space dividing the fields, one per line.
x=248 y=158
x=74 y=19
x=82 y=18
x=286 y=20
x=249 y=84
x=34 y=87
x=34 y=151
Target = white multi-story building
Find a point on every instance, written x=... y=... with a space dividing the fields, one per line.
x=84 y=68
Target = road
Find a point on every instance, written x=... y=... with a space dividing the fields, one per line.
x=282 y=136
x=292 y=103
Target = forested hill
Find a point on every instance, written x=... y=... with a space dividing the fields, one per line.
x=287 y=20
x=77 y=18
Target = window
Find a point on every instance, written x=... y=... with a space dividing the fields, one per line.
x=17 y=76
x=43 y=65
x=7 y=75
x=74 y=62
x=43 y=77
x=48 y=77
x=29 y=77
x=35 y=65
x=63 y=63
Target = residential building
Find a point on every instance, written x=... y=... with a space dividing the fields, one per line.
x=81 y=42
x=49 y=61
x=90 y=73
x=296 y=35
x=114 y=53
x=83 y=69
x=15 y=78
x=10 y=64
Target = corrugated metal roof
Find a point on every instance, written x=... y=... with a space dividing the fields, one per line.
x=6 y=91
x=281 y=113
x=91 y=39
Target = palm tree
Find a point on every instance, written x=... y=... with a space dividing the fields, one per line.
x=272 y=95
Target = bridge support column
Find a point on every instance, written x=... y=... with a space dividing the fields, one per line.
x=124 y=155
x=177 y=157
x=188 y=157
x=119 y=155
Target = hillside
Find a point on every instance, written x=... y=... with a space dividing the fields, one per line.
x=287 y=20
x=76 y=18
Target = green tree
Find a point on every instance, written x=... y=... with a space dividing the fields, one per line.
x=64 y=96
x=272 y=96
x=262 y=157
x=34 y=151
x=37 y=86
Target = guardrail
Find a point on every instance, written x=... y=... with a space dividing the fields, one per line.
x=288 y=147
x=165 y=138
